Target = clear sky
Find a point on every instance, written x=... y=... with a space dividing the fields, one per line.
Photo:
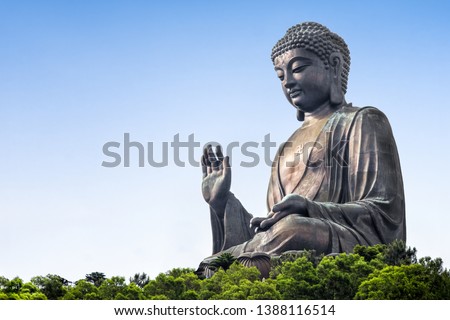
x=75 y=75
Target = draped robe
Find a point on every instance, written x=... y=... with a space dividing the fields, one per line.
x=352 y=184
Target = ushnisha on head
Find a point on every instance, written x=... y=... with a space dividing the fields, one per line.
x=318 y=39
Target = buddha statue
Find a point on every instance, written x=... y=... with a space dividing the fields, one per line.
x=334 y=184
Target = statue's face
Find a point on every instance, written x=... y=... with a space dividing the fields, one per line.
x=304 y=79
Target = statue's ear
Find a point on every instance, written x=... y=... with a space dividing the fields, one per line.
x=336 y=94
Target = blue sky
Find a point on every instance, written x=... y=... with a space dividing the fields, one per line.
x=75 y=75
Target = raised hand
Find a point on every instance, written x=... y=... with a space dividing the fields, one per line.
x=216 y=180
x=291 y=204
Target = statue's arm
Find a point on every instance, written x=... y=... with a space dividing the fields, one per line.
x=230 y=227
x=230 y=222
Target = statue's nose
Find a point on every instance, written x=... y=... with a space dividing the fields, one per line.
x=289 y=81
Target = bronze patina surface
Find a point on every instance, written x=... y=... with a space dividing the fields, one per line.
x=337 y=181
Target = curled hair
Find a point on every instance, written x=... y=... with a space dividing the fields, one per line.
x=318 y=39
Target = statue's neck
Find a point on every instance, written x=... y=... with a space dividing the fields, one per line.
x=321 y=113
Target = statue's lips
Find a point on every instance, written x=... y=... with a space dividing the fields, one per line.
x=295 y=93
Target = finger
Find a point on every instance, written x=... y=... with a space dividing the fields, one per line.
x=291 y=203
x=219 y=153
x=215 y=163
x=270 y=214
x=204 y=169
x=271 y=221
x=211 y=155
x=282 y=205
x=203 y=161
x=255 y=222
x=226 y=165
x=205 y=157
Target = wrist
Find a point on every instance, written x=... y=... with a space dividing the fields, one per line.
x=220 y=204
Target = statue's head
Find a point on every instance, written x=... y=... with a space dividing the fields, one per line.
x=311 y=57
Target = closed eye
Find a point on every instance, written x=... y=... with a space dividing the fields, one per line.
x=280 y=74
x=299 y=68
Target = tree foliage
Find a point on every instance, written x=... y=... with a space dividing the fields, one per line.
x=52 y=286
x=223 y=261
x=375 y=272
x=140 y=279
x=83 y=290
x=96 y=278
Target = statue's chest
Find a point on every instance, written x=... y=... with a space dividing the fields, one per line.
x=301 y=160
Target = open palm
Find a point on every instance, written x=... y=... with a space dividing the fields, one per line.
x=216 y=180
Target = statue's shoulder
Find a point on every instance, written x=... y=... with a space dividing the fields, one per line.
x=366 y=119
x=352 y=113
x=351 y=110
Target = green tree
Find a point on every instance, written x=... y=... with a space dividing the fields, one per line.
x=238 y=282
x=3 y=282
x=178 y=283
x=190 y=295
x=291 y=256
x=165 y=285
x=113 y=289
x=297 y=279
x=132 y=292
x=223 y=261
x=83 y=290
x=192 y=285
x=15 y=289
x=140 y=279
x=248 y=290
x=30 y=292
x=370 y=272
x=371 y=253
x=437 y=277
x=418 y=281
x=13 y=286
x=395 y=283
x=52 y=286
x=179 y=272
x=397 y=253
x=341 y=275
x=264 y=290
x=96 y=278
